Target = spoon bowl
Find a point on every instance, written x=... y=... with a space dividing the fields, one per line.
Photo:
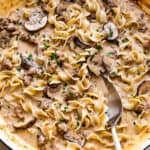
x=114 y=109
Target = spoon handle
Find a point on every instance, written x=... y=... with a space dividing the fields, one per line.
x=115 y=138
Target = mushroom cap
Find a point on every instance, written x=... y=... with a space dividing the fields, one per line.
x=143 y=87
x=28 y=122
x=111 y=31
x=72 y=136
x=36 y=21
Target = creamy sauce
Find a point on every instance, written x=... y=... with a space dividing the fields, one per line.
x=85 y=110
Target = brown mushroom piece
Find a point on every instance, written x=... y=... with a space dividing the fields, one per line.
x=140 y=107
x=143 y=87
x=36 y=21
x=5 y=38
x=61 y=10
x=78 y=138
x=80 y=43
x=110 y=31
x=27 y=64
x=51 y=89
x=95 y=64
x=26 y=123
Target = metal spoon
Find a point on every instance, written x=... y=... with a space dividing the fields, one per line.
x=114 y=109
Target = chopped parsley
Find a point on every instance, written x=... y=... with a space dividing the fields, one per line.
x=17 y=38
x=46 y=46
x=66 y=107
x=54 y=57
x=18 y=69
x=110 y=32
x=113 y=74
x=99 y=48
x=133 y=95
x=70 y=94
x=75 y=46
x=110 y=53
x=30 y=57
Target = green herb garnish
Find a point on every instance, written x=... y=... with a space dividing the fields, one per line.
x=66 y=107
x=18 y=69
x=17 y=38
x=71 y=94
x=75 y=46
x=46 y=46
x=54 y=57
x=110 y=53
x=99 y=48
x=30 y=57
x=133 y=95
x=110 y=32
x=113 y=74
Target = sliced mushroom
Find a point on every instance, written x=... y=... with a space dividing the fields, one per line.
x=78 y=138
x=80 y=43
x=95 y=64
x=27 y=64
x=28 y=122
x=143 y=87
x=36 y=21
x=61 y=10
x=110 y=31
x=51 y=89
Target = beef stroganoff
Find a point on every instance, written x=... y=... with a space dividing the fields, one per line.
x=53 y=53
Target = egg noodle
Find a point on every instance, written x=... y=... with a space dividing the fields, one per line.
x=58 y=101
